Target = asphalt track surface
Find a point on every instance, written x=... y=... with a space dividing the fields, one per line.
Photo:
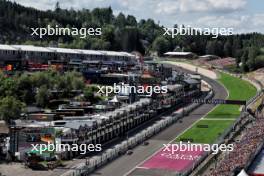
x=126 y=164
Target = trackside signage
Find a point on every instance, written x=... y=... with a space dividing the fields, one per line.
x=216 y=101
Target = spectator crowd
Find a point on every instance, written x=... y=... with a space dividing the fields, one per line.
x=244 y=150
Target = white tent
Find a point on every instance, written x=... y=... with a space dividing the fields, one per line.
x=114 y=100
x=242 y=173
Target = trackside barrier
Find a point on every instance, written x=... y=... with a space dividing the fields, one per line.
x=111 y=154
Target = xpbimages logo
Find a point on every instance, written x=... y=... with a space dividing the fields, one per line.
x=51 y=147
x=50 y=31
x=185 y=147
x=125 y=88
x=182 y=30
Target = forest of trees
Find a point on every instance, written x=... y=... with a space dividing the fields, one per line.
x=121 y=32
x=24 y=89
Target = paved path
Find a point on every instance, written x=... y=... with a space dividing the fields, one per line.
x=193 y=68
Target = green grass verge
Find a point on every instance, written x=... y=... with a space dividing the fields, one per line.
x=238 y=90
x=206 y=135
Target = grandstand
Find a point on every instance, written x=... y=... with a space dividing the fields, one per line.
x=216 y=62
x=19 y=55
x=222 y=63
x=244 y=151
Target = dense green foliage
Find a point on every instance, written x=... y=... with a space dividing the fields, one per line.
x=36 y=88
x=10 y=108
x=89 y=94
x=118 y=33
x=121 y=33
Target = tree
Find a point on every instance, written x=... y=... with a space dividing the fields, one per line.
x=101 y=16
x=10 y=108
x=118 y=33
x=214 y=47
x=237 y=45
x=25 y=89
x=109 y=35
x=147 y=29
x=219 y=48
x=210 y=47
x=8 y=87
x=100 y=44
x=57 y=6
x=89 y=94
x=42 y=96
x=252 y=54
x=131 y=20
x=129 y=39
x=259 y=61
x=77 y=81
x=227 y=49
x=244 y=61
x=120 y=20
x=161 y=45
x=42 y=78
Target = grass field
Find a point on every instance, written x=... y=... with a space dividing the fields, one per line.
x=206 y=135
x=238 y=90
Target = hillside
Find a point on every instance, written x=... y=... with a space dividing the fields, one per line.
x=121 y=32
